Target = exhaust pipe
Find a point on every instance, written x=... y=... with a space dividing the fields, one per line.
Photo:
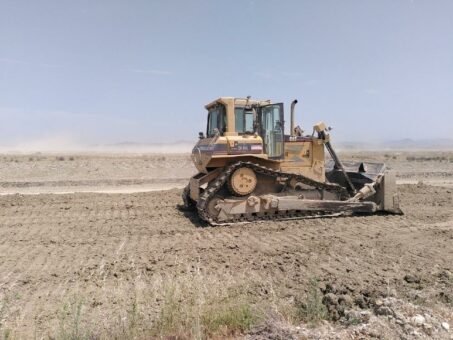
x=293 y=104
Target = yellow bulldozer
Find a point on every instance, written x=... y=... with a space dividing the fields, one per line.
x=249 y=169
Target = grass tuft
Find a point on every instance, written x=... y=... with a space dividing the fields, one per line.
x=229 y=321
x=71 y=326
x=312 y=309
x=193 y=306
x=189 y=311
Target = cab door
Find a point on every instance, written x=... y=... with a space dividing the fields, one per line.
x=272 y=129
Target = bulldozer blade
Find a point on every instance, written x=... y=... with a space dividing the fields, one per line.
x=369 y=173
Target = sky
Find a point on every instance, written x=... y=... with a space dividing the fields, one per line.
x=102 y=72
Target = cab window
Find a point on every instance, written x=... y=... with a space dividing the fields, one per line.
x=243 y=120
x=272 y=129
x=216 y=120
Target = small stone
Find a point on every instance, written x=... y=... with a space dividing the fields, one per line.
x=417 y=320
x=393 y=292
x=415 y=333
x=345 y=300
x=388 y=302
x=352 y=315
x=330 y=299
x=330 y=288
x=334 y=315
x=357 y=316
x=446 y=275
x=365 y=315
x=373 y=333
x=360 y=301
x=407 y=327
x=445 y=297
x=428 y=328
x=384 y=311
x=445 y=326
x=409 y=278
x=400 y=316
x=378 y=302
x=399 y=321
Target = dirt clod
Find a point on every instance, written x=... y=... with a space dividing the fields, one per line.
x=410 y=278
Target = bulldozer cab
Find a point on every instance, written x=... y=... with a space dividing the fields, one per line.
x=241 y=117
x=267 y=121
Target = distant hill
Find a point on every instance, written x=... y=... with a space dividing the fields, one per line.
x=401 y=144
x=186 y=146
x=127 y=147
x=176 y=147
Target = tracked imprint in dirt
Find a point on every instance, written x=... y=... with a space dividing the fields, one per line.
x=98 y=253
x=100 y=258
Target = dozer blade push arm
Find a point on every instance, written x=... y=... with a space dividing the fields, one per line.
x=324 y=135
x=340 y=166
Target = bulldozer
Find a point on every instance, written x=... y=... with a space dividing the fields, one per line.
x=250 y=170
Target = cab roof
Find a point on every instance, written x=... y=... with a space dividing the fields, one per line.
x=238 y=101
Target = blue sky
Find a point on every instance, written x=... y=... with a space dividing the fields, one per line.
x=113 y=71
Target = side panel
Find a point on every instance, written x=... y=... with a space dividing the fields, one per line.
x=305 y=158
x=298 y=154
x=204 y=150
x=240 y=145
x=207 y=150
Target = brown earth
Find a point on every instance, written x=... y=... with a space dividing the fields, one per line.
x=106 y=172
x=97 y=257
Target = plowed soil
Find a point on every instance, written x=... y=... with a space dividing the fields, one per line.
x=107 y=250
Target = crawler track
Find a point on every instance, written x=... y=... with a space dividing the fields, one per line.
x=216 y=185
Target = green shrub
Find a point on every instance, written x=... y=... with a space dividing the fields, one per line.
x=229 y=321
x=312 y=309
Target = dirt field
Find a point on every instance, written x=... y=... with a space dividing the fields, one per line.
x=87 y=263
